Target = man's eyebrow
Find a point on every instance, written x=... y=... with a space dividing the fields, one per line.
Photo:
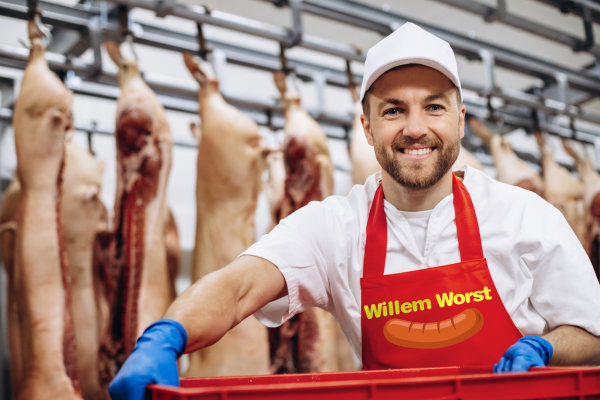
x=436 y=96
x=393 y=101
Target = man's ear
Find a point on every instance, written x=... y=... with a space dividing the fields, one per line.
x=461 y=120
x=367 y=129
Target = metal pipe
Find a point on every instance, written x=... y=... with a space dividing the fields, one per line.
x=583 y=80
x=17 y=57
x=589 y=4
x=265 y=61
x=246 y=25
x=518 y=22
x=463 y=45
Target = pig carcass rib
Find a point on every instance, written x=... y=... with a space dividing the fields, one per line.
x=509 y=167
x=311 y=341
x=591 y=201
x=562 y=189
x=140 y=289
x=231 y=159
x=41 y=279
x=362 y=154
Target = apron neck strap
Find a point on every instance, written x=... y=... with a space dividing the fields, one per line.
x=467 y=229
x=376 y=241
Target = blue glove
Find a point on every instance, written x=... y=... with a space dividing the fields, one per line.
x=154 y=360
x=529 y=351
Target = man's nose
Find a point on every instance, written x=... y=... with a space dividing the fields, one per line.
x=415 y=125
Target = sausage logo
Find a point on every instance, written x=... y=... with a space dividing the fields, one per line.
x=430 y=335
x=433 y=335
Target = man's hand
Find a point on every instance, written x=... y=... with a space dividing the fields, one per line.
x=529 y=351
x=154 y=360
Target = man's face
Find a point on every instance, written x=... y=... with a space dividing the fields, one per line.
x=415 y=123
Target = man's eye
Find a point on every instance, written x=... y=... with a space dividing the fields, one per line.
x=435 y=107
x=392 y=111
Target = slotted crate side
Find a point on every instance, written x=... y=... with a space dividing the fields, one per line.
x=447 y=383
x=332 y=376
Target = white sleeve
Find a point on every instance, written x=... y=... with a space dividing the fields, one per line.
x=565 y=288
x=299 y=247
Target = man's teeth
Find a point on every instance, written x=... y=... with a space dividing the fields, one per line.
x=417 y=151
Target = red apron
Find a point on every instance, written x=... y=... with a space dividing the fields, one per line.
x=442 y=316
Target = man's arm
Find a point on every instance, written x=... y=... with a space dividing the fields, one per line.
x=197 y=318
x=573 y=346
x=222 y=299
x=564 y=345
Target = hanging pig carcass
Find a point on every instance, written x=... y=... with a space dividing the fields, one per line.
x=138 y=285
x=591 y=202
x=509 y=167
x=362 y=154
x=562 y=189
x=82 y=215
x=9 y=210
x=231 y=159
x=311 y=341
x=40 y=274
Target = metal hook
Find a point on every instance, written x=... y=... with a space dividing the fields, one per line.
x=586 y=16
x=46 y=34
x=493 y=116
x=572 y=128
x=496 y=14
x=284 y=64
x=295 y=36
x=535 y=120
x=129 y=41
x=32 y=8
x=349 y=74
x=203 y=50
x=127 y=34
x=289 y=72
x=90 y=132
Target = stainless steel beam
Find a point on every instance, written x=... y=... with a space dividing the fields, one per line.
x=462 y=44
x=249 y=26
x=515 y=21
x=344 y=11
x=177 y=41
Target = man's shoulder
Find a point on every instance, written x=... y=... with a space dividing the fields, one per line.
x=481 y=184
x=492 y=196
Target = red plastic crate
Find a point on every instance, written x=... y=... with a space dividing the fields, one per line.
x=426 y=383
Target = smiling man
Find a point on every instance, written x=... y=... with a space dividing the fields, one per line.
x=425 y=106
x=421 y=266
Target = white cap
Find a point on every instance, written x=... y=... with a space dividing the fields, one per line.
x=409 y=44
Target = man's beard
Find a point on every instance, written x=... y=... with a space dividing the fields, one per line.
x=416 y=176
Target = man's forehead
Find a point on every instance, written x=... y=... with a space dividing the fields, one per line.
x=399 y=96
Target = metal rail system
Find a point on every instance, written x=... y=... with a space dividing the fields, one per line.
x=99 y=20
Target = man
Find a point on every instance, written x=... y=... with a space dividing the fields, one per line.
x=400 y=260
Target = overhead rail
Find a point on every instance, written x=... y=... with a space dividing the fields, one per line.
x=221 y=19
x=576 y=7
x=384 y=21
x=349 y=11
x=78 y=18
x=501 y=14
x=182 y=98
